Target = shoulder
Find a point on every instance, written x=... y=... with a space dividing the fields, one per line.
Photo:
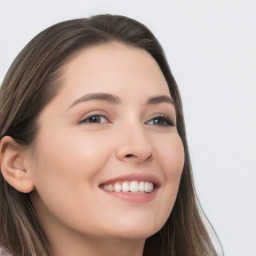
x=3 y=252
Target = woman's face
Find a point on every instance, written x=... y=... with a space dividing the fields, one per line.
x=111 y=129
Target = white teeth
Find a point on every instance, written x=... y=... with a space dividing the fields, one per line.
x=125 y=187
x=146 y=187
x=108 y=187
x=141 y=186
x=133 y=186
x=150 y=187
x=117 y=187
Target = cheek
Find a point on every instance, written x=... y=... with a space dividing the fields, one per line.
x=64 y=163
x=66 y=173
x=171 y=160
x=77 y=155
x=68 y=166
x=171 y=157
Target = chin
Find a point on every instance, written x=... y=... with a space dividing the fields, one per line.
x=136 y=230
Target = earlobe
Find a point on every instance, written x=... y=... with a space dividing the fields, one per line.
x=13 y=167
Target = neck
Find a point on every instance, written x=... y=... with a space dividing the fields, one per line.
x=97 y=247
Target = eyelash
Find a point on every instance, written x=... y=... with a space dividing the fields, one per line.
x=163 y=119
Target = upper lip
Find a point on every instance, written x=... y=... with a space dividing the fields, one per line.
x=147 y=177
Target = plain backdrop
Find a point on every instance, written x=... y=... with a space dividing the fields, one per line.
x=210 y=46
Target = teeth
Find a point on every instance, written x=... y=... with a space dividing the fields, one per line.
x=125 y=187
x=133 y=187
x=141 y=186
x=108 y=187
x=117 y=187
x=150 y=187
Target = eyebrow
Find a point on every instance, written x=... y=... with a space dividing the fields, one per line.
x=160 y=99
x=98 y=96
x=116 y=100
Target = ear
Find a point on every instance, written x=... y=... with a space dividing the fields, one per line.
x=13 y=165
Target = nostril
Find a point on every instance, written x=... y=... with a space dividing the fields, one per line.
x=129 y=155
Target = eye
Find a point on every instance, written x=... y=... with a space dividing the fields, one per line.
x=94 y=119
x=161 y=120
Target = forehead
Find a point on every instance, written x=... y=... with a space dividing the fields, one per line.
x=114 y=66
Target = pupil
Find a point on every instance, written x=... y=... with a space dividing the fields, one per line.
x=157 y=121
x=94 y=119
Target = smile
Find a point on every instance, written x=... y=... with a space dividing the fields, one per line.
x=130 y=186
x=134 y=187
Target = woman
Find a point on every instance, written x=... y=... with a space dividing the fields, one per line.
x=94 y=158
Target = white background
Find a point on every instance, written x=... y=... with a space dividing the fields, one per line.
x=211 y=48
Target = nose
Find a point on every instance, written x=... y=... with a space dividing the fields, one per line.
x=134 y=145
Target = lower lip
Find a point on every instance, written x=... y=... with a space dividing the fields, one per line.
x=134 y=197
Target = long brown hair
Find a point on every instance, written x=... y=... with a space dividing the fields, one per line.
x=32 y=81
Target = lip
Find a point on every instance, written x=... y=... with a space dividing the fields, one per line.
x=134 y=197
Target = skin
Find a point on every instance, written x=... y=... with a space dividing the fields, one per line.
x=72 y=158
